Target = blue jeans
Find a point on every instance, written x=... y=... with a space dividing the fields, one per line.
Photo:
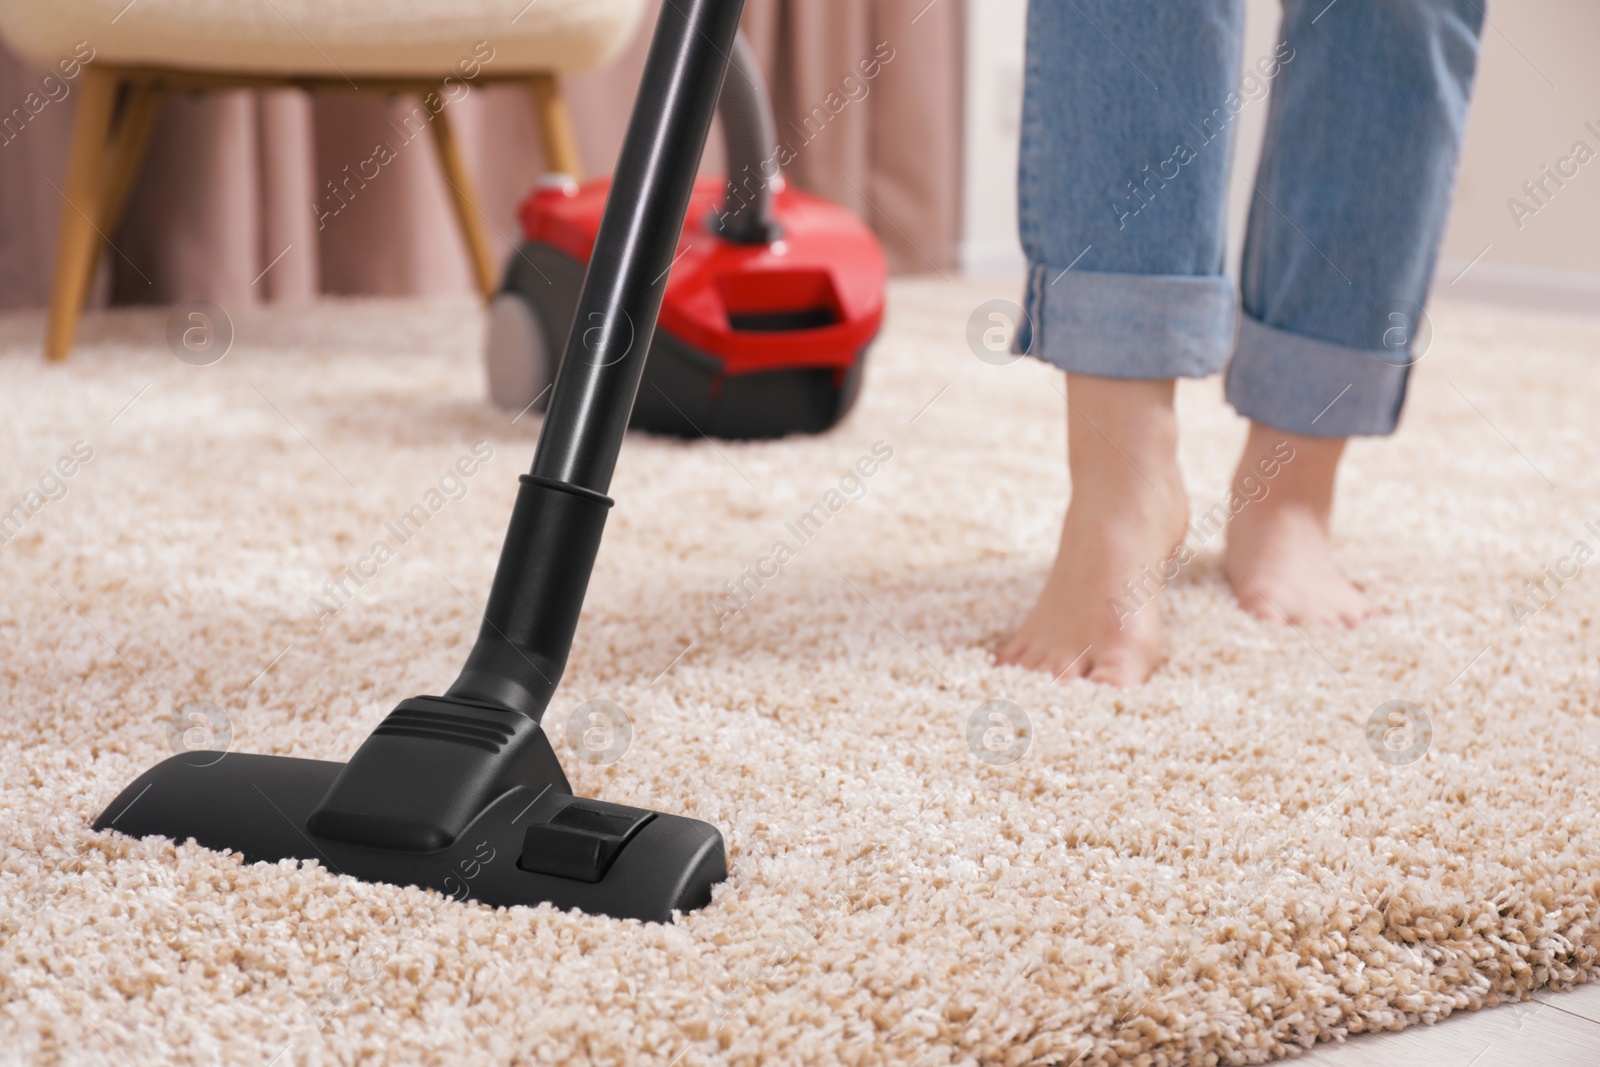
x=1127 y=129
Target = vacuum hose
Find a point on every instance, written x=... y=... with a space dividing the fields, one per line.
x=750 y=135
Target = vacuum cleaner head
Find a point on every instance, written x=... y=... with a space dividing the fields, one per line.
x=462 y=792
x=533 y=843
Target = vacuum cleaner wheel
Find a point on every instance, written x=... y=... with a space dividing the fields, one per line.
x=516 y=353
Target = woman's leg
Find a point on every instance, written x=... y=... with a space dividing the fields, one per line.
x=1351 y=196
x=1127 y=129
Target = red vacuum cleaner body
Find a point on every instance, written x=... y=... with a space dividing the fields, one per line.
x=770 y=303
x=754 y=340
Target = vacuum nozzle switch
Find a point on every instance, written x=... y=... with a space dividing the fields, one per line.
x=582 y=840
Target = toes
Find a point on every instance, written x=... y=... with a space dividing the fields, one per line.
x=1122 y=669
x=1259 y=608
x=1060 y=663
x=1295 y=606
x=1063 y=669
x=1360 y=610
x=1264 y=605
x=1020 y=651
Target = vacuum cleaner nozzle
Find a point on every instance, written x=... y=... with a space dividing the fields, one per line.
x=462 y=792
x=533 y=843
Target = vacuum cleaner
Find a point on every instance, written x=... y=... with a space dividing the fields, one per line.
x=772 y=302
x=462 y=792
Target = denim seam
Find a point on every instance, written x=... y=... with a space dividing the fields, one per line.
x=1036 y=309
x=1266 y=169
x=1027 y=227
x=1032 y=134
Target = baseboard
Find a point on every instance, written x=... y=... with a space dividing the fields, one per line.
x=1533 y=288
x=992 y=259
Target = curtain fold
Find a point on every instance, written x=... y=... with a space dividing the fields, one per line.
x=868 y=96
x=234 y=202
x=30 y=158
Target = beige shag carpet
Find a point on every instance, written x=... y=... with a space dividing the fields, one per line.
x=1214 y=868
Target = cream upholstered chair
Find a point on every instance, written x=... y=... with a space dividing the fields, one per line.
x=143 y=49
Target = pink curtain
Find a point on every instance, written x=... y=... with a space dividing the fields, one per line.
x=868 y=97
x=223 y=207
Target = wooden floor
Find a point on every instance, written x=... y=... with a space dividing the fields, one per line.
x=1553 y=1030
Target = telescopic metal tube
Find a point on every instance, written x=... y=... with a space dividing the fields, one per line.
x=634 y=250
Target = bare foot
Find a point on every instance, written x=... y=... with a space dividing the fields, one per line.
x=1279 y=560
x=1098 y=615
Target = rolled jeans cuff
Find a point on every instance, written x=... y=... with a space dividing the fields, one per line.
x=1145 y=326
x=1302 y=385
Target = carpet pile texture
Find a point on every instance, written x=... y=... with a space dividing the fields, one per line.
x=1217 y=867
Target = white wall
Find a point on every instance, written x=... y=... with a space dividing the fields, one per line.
x=993 y=112
x=1538 y=84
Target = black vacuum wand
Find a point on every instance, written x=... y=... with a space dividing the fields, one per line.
x=462 y=792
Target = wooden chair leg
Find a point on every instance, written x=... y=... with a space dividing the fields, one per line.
x=84 y=198
x=465 y=196
x=129 y=139
x=560 y=144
